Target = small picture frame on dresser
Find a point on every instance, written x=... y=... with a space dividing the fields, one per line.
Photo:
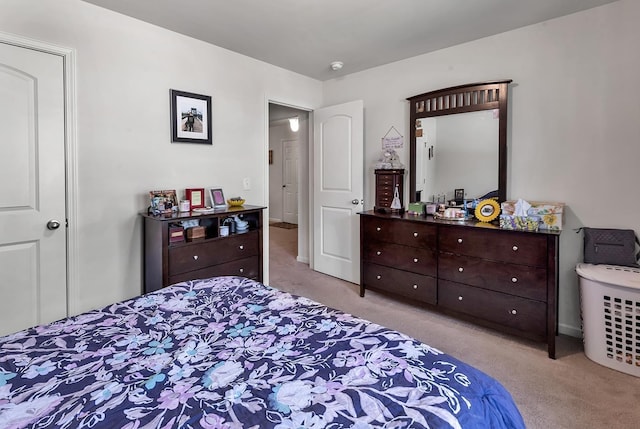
x=217 y=198
x=195 y=197
x=162 y=202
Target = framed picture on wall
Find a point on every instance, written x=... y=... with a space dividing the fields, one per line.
x=190 y=117
x=217 y=198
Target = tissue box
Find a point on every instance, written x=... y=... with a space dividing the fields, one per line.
x=416 y=208
x=522 y=223
x=550 y=214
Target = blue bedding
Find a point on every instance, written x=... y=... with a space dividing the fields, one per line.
x=229 y=352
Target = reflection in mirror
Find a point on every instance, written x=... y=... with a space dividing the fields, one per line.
x=457 y=152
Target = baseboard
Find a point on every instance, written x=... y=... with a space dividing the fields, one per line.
x=302 y=259
x=274 y=220
x=571 y=331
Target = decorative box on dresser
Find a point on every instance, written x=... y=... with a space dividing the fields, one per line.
x=167 y=261
x=387 y=180
x=503 y=279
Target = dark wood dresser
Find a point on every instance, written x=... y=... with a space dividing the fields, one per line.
x=503 y=279
x=169 y=259
x=386 y=183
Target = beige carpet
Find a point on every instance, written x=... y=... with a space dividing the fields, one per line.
x=569 y=392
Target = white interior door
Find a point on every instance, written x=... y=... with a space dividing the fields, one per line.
x=338 y=189
x=290 y=181
x=33 y=284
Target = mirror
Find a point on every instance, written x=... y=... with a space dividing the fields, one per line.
x=458 y=141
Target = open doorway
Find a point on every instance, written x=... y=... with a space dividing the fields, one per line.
x=288 y=183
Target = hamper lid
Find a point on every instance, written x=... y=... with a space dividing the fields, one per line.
x=611 y=274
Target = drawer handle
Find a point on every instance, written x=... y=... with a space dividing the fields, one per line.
x=242 y=270
x=460 y=269
x=195 y=257
x=460 y=298
x=515 y=248
x=378 y=277
x=415 y=286
x=514 y=312
x=514 y=280
x=415 y=234
x=241 y=247
x=378 y=229
x=378 y=253
x=459 y=240
x=415 y=260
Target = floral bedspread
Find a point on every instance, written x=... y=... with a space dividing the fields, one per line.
x=229 y=352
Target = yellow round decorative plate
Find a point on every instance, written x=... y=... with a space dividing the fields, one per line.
x=487 y=210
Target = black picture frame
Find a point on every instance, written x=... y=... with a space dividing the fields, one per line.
x=459 y=196
x=190 y=117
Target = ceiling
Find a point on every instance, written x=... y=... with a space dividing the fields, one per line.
x=305 y=36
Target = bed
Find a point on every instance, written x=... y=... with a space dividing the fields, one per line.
x=229 y=352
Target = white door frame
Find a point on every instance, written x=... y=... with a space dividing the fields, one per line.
x=282 y=154
x=265 y=236
x=68 y=56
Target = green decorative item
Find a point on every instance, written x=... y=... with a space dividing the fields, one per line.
x=418 y=208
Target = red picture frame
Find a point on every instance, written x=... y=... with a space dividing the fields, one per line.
x=195 y=197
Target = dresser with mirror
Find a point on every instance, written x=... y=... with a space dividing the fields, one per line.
x=503 y=279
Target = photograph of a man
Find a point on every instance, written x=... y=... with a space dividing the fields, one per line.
x=192 y=120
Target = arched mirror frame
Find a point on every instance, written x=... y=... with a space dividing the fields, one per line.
x=461 y=99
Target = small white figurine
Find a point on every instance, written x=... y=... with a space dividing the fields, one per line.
x=389 y=160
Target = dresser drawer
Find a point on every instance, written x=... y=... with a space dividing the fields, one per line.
x=520 y=280
x=410 y=285
x=512 y=311
x=247 y=267
x=385 y=200
x=514 y=247
x=407 y=233
x=414 y=259
x=385 y=185
x=193 y=257
x=384 y=180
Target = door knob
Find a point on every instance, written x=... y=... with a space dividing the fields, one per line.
x=53 y=224
x=355 y=201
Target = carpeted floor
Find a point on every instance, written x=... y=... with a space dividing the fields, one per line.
x=285 y=225
x=568 y=392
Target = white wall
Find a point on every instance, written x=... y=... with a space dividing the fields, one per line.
x=125 y=69
x=574 y=118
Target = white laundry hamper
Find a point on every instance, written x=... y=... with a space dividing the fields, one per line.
x=610 y=303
